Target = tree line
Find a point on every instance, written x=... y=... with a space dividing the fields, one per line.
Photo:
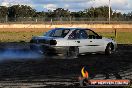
x=24 y=11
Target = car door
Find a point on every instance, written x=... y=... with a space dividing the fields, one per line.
x=82 y=37
x=95 y=42
x=87 y=41
x=79 y=38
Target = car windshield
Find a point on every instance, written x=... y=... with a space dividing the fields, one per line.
x=57 y=33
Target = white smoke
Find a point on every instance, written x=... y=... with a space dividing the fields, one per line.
x=7 y=54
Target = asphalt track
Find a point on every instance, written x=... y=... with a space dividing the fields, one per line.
x=20 y=67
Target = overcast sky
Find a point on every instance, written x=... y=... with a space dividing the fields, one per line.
x=72 y=5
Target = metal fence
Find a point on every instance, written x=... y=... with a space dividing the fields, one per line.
x=64 y=20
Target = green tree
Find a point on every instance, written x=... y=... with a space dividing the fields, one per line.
x=60 y=12
x=3 y=11
x=98 y=12
x=17 y=11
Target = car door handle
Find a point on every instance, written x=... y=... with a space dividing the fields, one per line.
x=90 y=41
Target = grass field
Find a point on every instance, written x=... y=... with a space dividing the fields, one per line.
x=17 y=36
x=121 y=38
x=21 y=35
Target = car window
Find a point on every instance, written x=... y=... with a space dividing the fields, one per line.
x=83 y=34
x=72 y=35
x=78 y=34
x=91 y=34
x=65 y=32
x=47 y=33
x=57 y=33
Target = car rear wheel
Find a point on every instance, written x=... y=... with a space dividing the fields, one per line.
x=72 y=52
x=38 y=50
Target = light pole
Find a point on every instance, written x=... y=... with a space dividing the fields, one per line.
x=109 y=11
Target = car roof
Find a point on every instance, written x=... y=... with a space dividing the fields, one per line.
x=74 y=28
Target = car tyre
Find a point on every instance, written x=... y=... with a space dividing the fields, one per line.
x=37 y=50
x=108 y=50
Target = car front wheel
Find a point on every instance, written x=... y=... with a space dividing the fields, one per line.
x=109 y=49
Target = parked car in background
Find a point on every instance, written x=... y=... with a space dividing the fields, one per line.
x=72 y=42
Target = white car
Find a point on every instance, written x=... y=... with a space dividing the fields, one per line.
x=72 y=42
